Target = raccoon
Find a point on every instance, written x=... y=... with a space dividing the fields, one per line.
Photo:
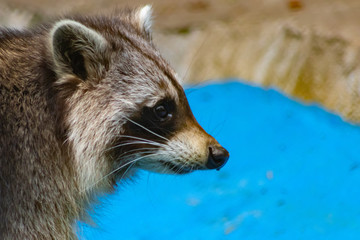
x=84 y=103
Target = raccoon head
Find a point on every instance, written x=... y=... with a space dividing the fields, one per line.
x=124 y=106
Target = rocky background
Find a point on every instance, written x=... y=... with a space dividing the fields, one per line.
x=310 y=49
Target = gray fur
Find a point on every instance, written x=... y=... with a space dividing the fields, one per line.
x=70 y=95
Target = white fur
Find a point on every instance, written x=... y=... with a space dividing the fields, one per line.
x=144 y=16
x=88 y=136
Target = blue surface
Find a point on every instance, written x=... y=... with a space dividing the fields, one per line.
x=294 y=173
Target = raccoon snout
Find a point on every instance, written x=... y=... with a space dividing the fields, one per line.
x=217 y=158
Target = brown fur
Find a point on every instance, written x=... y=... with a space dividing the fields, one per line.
x=37 y=199
x=76 y=98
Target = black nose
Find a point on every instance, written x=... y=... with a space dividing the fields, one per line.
x=218 y=156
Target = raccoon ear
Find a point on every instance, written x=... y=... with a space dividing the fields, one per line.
x=144 y=20
x=78 y=50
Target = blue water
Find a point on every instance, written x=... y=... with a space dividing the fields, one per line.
x=294 y=173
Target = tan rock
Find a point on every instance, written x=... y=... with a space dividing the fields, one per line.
x=312 y=54
x=311 y=66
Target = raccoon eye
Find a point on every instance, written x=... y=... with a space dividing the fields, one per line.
x=162 y=112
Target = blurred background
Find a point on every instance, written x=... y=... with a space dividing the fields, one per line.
x=308 y=49
x=279 y=87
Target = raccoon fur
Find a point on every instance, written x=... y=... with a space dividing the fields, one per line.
x=84 y=102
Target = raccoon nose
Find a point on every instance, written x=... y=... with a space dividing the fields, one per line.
x=218 y=156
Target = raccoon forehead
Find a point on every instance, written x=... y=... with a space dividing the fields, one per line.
x=142 y=91
x=152 y=100
x=162 y=88
x=151 y=95
x=145 y=82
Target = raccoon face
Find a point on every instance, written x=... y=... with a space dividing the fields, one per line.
x=165 y=137
x=124 y=105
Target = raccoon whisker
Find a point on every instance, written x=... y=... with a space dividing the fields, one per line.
x=178 y=169
x=134 y=137
x=115 y=170
x=174 y=142
x=181 y=168
x=184 y=165
x=142 y=139
x=137 y=138
x=145 y=141
x=124 y=174
x=176 y=165
x=138 y=124
x=137 y=157
x=133 y=161
x=140 y=151
x=133 y=143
